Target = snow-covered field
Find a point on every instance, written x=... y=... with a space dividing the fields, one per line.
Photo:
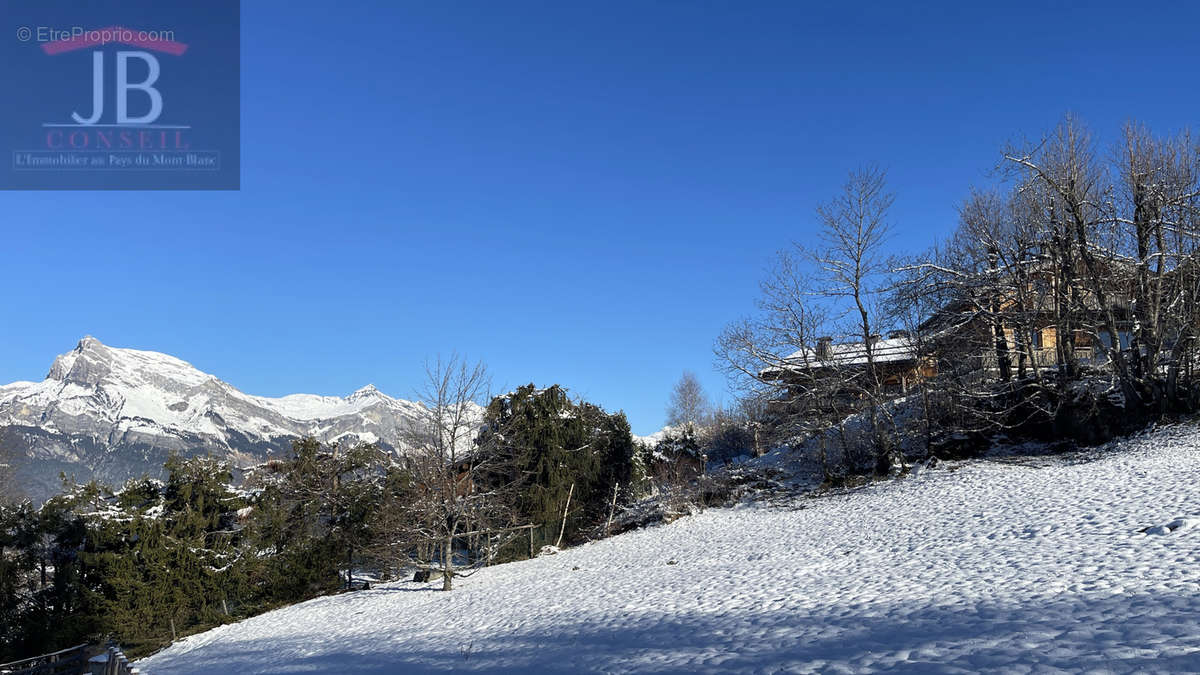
x=1019 y=565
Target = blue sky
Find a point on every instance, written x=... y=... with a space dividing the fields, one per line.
x=574 y=193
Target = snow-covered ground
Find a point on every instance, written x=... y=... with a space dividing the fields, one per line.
x=1077 y=563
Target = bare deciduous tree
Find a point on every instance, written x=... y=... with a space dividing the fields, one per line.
x=812 y=293
x=771 y=358
x=448 y=496
x=689 y=405
x=1097 y=258
x=1065 y=170
x=854 y=229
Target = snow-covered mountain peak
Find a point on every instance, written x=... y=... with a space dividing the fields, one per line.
x=93 y=363
x=366 y=393
x=113 y=413
x=91 y=357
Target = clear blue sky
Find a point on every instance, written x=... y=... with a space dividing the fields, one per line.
x=574 y=193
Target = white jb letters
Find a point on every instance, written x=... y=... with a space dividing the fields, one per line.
x=123 y=87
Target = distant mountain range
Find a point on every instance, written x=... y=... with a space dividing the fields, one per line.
x=112 y=414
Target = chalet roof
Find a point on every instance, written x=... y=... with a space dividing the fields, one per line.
x=891 y=350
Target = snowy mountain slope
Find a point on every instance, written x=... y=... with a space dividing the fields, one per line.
x=115 y=413
x=651 y=440
x=1082 y=563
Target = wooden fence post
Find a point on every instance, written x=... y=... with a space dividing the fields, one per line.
x=563 y=528
x=611 y=510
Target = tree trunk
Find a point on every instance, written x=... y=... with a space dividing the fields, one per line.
x=1003 y=364
x=448 y=563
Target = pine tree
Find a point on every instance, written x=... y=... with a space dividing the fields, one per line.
x=554 y=448
x=314 y=514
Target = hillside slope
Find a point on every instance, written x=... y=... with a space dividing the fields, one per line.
x=1080 y=562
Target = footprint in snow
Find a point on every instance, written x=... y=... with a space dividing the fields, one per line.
x=1174 y=527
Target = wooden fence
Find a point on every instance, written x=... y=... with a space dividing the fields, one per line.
x=111 y=662
x=473 y=541
x=491 y=533
x=74 y=661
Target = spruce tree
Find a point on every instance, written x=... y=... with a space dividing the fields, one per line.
x=553 y=448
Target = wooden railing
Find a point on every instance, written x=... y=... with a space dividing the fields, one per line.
x=72 y=660
x=490 y=533
x=111 y=662
x=1047 y=357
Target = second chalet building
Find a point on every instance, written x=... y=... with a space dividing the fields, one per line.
x=1019 y=322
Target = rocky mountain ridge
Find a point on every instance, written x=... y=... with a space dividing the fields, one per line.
x=110 y=413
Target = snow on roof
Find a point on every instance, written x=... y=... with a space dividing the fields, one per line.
x=890 y=350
